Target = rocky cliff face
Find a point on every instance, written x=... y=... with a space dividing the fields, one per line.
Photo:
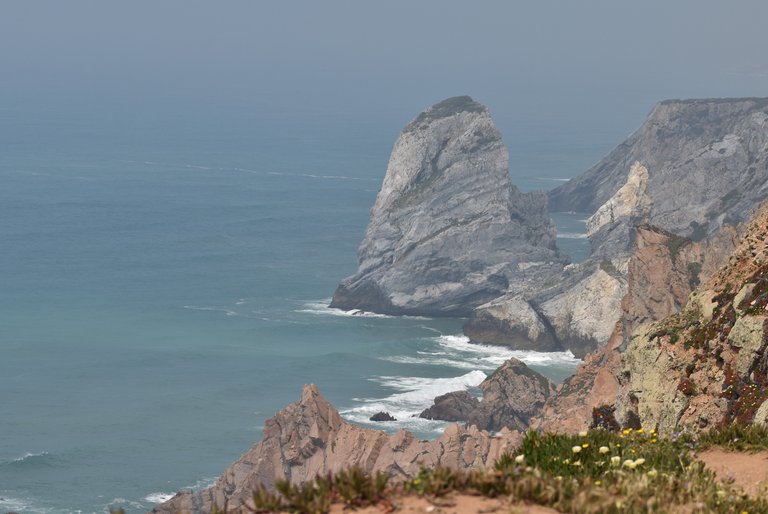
x=661 y=273
x=692 y=168
x=448 y=231
x=706 y=163
x=310 y=438
x=511 y=396
x=707 y=364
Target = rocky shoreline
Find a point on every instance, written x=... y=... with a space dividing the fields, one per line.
x=670 y=311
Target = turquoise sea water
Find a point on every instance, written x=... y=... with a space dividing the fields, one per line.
x=163 y=282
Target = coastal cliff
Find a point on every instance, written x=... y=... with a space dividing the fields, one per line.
x=706 y=365
x=448 y=231
x=706 y=163
x=693 y=167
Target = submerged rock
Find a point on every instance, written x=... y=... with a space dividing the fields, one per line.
x=448 y=231
x=382 y=416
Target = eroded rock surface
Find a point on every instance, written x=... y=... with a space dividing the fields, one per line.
x=706 y=364
x=310 y=437
x=661 y=272
x=448 y=231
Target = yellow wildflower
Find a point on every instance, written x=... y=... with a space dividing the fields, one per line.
x=576 y=449
x=604 y=449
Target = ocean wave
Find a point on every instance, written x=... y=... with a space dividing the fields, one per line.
x=321 y=308
x=18 y=505
x=30 y=459
x=414 y=394
x=227 y=312
x=571 y=235
x=158 y=497
x=499 y=354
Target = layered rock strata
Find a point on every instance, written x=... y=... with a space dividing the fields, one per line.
x=511 y=396
x=448 y=231
x=309 y=437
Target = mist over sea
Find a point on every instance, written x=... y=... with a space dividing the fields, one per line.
x=164 y=276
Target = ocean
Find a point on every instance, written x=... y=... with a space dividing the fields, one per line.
x=164 y=281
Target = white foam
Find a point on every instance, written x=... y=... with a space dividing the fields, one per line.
x=321 y=308
x=158 y=497
x=498 y=354
x=29 y=456
x=414 y=395
x=571 y=235
x=227 y=312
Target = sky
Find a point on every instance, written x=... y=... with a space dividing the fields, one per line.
x=576 y=61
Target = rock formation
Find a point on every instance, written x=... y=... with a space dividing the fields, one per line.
x=707 y=364
x=662 y=272
x=704 y=164
x=511 y=396
x=692 y=168
x=453 y=406
x=310 y=438
x=448 y=231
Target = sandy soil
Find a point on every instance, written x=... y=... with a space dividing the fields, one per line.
x=452 y=504
x=748 y=470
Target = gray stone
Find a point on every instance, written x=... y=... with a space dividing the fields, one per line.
x=455 y=406
x=448 y=231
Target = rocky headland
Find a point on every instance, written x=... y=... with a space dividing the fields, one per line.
x=670 y=311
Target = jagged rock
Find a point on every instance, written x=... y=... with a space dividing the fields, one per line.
x=448 y=231
x=749 y=335
x=583 y=316
x=511 y=396
x=310 y=438
x=382 y=416
x=454 y=406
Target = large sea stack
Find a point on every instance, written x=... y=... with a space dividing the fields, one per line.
x=449 y=231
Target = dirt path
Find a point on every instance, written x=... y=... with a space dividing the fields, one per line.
x=748 y=470
x=452 y=504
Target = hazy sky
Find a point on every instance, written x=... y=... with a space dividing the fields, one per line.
x=590 y=60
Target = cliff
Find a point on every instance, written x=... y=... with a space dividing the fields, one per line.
x=705 y=161
x=448 y=231
x=661 y=273
x=706 y=365
x=309 y=437
x=692 y=168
